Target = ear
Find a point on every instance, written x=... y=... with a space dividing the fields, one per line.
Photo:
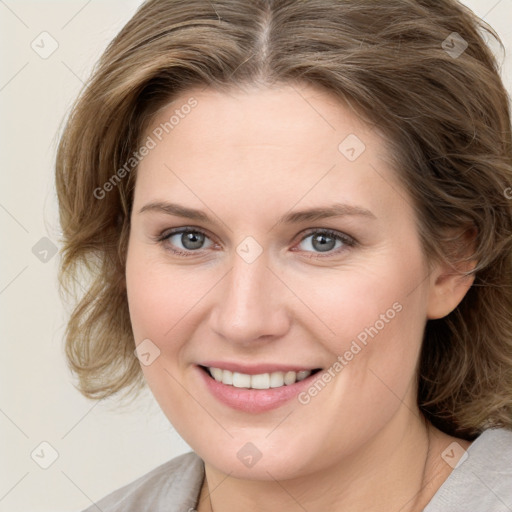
x=449 y=282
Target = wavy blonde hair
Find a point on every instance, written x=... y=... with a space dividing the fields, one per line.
x=445 y=116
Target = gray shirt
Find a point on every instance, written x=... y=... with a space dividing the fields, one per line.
x=482 y=482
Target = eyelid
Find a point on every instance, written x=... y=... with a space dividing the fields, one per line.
x=347 y=239
x=182 y=229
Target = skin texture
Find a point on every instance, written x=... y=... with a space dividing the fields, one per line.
x=246 y=158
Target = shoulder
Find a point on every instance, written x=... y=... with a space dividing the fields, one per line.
x=483 y=478
x=172 y=486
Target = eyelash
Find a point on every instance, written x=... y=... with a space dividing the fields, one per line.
x=348 y=241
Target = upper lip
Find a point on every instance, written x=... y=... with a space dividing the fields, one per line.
x=256 y=369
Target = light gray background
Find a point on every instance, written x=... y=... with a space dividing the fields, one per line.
x=100 y=447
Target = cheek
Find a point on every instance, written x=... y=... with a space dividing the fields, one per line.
x=158 y=305
x=159 y=297
x=373 y=320
x=166 y=304
x=374 y=301
x=150 y=313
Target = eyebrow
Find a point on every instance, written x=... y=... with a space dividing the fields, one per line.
x=308 y=215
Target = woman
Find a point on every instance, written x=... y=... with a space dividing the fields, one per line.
x=296 y=222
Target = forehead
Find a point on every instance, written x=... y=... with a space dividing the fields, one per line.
x=264 y=148
x=258 y=115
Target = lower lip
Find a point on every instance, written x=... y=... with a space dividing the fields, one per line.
x=254 y=400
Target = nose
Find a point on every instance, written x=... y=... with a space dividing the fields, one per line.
x=250 y=304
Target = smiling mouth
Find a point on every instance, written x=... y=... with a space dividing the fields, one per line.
x=260 y=381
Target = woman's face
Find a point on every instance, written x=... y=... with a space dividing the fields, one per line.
x=303 y=254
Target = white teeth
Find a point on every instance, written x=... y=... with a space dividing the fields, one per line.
x=227 y=377
x=276 y=379
x=241 y=380
x=216 y=373
x=260 y=381
x=290 y=378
